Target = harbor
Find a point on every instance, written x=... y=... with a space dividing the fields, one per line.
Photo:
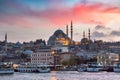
x=59 y=39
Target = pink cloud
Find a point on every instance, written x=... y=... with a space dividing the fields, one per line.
x=86 y=14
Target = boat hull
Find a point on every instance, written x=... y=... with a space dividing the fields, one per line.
x=26 y=70
x=5 y=71
x=116 y=69
x=47 y=70
x=94 y=69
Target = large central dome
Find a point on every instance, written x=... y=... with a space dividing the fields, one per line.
x=58 y=34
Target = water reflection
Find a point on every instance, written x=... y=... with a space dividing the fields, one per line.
x=53 y=78
x=63 y=75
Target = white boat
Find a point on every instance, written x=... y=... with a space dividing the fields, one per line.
x=116 y=67
x=82 y=68
x=30 y=68
x=6 y=71
x=94 y=67
x=6 y=68
x=43 y=69
x=27 y=68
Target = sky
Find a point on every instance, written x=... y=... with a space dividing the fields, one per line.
x=28 y=20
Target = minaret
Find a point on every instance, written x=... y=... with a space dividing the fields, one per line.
x=84 y=34
x=5 y=42
x=67 y=30
x=71 y=31
x=89 y=34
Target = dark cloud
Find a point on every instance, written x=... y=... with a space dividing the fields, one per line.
x=115 y=33
x=99 y=27
x=98 y=34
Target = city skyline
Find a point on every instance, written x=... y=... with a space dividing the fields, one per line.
x=28 y=20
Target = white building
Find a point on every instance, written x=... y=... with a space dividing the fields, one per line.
x=60 y=48
x=42 y=57
x=87 y=54
x=106 y=58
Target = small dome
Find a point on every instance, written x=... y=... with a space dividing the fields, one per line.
x=28 y=52
x=84 y=40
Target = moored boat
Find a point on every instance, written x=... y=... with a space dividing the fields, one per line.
x=30 y=68
x=6 y=71
x=116 y=67
x=43 y=69
x=94 y=67
x=27 y=68
x=82 y=68
x=6 y=68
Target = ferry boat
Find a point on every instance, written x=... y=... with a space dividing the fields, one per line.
x=82 y=68
x=30 y=68
x=43 y=69
x=94 y=67
x=116 y=67
x=6 y=69
x=26 y=68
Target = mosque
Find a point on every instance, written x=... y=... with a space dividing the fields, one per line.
x=87 y=43
x=59 y=37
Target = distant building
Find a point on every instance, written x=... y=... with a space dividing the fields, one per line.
x=107 y=58
x=65 y=56
x=87 y=54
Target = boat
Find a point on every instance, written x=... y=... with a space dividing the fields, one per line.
x=33 y=68
x=6 y=68
x=94 y=67
x=43 y=69
x=82 y=68
x=26 y=68
x=116 y=67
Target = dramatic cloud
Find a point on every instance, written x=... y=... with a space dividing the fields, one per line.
x=53 y=13
x=98 y=34
x=115 y=33
x=95 y=13
x=101 y=27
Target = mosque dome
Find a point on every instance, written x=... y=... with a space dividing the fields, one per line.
x=28 y=52
x=84 y=40
x=57 y=34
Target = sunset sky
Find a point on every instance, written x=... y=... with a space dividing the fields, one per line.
x=28 y=20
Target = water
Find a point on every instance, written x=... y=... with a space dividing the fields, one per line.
x=62 y=75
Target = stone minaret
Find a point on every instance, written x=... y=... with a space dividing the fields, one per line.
x=89 y=34
x=67 y=30
x=84 y=34
x=6 y=42
x=71 y=31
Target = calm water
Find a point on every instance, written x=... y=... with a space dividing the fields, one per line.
x=65 y=75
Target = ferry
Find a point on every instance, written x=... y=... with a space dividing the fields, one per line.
x=94 y=67
x=30 y=68
x=82 y=68
x=26 y=68
x=6 y=68
x=116 y=67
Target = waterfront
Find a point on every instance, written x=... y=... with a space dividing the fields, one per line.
x=62 y=75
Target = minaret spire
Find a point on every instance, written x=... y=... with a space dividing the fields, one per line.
x=71 y=31
x=5 y=42
x=67 y=30
x=89 y=33
x=83 y=34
